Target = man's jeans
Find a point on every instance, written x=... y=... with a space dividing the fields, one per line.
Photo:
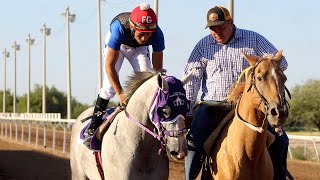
x=205 y=121
x=278 y=152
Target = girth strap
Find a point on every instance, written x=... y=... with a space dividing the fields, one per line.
x=97 y=156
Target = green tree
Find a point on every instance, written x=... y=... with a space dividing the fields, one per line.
x=9 y=101
x=77 y=108
x=305 y=104
x=56 y=102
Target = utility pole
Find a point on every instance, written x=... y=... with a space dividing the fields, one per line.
x=231 y=9
x=16 y=48
x=30 y=42
x=69 y=18
x=99 y=47
x=45 y=32
x=6 y=55
x=156 y=3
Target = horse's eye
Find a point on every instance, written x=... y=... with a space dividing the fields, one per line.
x=164 y=112
x=259 y=78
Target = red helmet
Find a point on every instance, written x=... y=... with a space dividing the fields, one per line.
x=143 y=19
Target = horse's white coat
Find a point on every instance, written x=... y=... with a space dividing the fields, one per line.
x=128 y=152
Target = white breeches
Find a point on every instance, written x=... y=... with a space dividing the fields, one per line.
x=139 y=58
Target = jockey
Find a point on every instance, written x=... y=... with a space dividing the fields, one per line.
x=129 y=36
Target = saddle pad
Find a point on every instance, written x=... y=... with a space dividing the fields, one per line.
x=95 y=144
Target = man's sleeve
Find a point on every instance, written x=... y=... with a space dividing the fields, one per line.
x=264 y=47
x=195 y=63
x=117 y=36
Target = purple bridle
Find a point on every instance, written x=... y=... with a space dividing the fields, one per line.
x=174 y=98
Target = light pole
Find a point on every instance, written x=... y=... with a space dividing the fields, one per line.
x=45 y=32
x=16 y=48
x=99 y=47
x=30 y=42
x=69 y=18
x=156 y=3
x=231 y=9
x=6 y=55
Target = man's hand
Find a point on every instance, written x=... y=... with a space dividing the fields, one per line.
x=278 y=130
x=188 y=121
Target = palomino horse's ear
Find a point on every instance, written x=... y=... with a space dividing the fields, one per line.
x=278 y=56
x=163 y=84
x=188 y=77
x=251 y=59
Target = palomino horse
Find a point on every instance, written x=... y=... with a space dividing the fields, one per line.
x=241 y=151
x=135 y=144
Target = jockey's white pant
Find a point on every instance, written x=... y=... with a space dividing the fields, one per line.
x=139 y=58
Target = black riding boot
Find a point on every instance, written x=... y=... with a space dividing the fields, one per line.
x=96 y=121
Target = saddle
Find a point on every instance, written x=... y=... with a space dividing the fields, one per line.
x=107 y=117
x=102 y=129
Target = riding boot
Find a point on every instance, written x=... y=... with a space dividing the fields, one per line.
x=96 y=120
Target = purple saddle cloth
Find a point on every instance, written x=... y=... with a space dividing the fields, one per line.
x=95 y=144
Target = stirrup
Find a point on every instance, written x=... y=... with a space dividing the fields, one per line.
x=88 y=135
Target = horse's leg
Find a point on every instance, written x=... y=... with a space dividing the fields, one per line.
x=76 y=168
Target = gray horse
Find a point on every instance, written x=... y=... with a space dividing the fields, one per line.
x=131 y=148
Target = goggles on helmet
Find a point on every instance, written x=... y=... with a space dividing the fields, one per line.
x=141 y=26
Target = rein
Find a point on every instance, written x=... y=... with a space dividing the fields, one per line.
x=162 y=133
x=255 y=128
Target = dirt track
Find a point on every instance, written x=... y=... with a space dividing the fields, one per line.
x=24 y=162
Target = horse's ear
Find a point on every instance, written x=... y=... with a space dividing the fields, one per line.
x=163 y=84
x=251 y=59
x=188 y=77
x=278 y=56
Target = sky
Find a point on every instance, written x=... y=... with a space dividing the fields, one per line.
x=291 y=25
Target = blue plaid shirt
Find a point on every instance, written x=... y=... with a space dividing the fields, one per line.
x=219 y=65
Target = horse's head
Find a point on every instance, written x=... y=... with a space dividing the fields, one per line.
x=266 y=80
x=167 y=105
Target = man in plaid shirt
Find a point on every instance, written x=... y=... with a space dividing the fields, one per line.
x=218 y=62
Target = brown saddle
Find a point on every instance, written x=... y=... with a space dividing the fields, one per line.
x=106 y=124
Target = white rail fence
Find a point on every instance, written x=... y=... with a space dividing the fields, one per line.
x=25 y=123
x=309 y=144
x=50 y=122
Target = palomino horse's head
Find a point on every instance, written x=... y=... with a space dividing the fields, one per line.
x=267 y=83
x=166 y=105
